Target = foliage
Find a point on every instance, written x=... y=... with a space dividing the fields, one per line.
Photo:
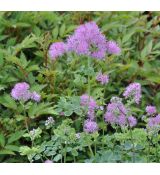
x=25 y=38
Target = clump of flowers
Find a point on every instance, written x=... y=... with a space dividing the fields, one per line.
x=133 y=91
x=35 y=96
x=154 y=121
x=102 y=78
x=90 y=126
x=21 y=92
x=57 y=49
x=88 y=40
x=132 y=121
x=116 y=112
x=151 y=110
x=90 y=103
x=113 y=48
x=49 y=122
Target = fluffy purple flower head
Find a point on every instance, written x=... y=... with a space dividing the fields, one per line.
x=91 y=114
x=133 y=91
x=113 y=48
x=102 y=78
x=48 y=161
x=151 y=110
x=35 y=96
x=88 y=40
x=21 y=91
x=154 y=121
x=89 y=102
x=56 y=50
x=84 y=99
x=116 y=112
x=132 y=121
x=90 y=126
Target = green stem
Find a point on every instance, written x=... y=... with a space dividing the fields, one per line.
x=103 y=133
x=65 y=154
x=133 y=148
x=148 y=152
x=156 y=152
x=74 y=158
x=90 y=149
x=95 y=148
x=25 y=115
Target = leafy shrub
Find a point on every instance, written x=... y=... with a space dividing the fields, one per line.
x=63 y=115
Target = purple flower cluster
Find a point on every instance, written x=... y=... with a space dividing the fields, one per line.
x=35 y=96
x=116 y=113
x=151 y=110
x=102 y=78
x=133 y=91
x=132 y=121
x=21 y=92
x=154 y=121
x=88 y=40
x=113 y=48
x=57 y=49
x=90 y=103
x=90 y=126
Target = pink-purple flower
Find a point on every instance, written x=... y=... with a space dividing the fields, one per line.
x=132 y=121
x=88 y=40
x=35 y=96
x=151 y=110
x=133 y=91
x=154 y=121
x=90 y=126
x=116 y=112
x=57 y=49
x=90 y=103
x=21 y=92
x=102 y=78
x=113 y=48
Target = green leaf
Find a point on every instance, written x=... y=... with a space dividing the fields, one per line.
x=3 y=37
x=57 y=157
x=74 y=152
x=127 y=36
x=127 y=145
x=40 y=109
x=147 y=50
x=55 y=32
x=7 y=101
x=15 y=136
x=2 y=140
x=5 y=151
x=62 y=30
x=12 y=147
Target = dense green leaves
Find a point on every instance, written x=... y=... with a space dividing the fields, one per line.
x=53 y=127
